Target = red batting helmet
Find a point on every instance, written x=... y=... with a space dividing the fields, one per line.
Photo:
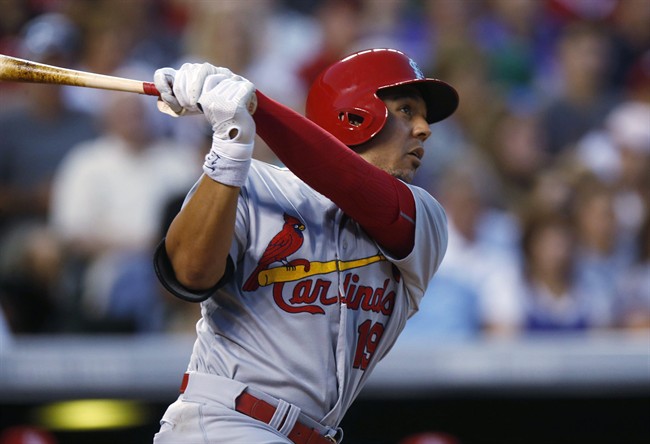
x=343 y=99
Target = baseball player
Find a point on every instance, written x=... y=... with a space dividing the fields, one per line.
x=306 y=274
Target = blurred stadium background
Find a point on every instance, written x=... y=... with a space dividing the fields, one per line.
x=536 y=328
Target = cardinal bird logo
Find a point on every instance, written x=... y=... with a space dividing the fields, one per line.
x=283 y=245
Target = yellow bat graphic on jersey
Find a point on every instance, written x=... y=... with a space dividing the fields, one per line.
x=301 y=269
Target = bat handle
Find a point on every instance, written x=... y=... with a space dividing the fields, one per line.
x=150 y=89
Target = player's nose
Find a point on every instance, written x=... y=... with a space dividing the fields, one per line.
x=421 y=129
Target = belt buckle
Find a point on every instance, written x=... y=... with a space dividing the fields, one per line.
x=334 y=439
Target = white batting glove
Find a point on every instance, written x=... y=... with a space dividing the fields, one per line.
x=180 y=89
x=225 y=105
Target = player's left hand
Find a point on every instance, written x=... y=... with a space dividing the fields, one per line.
x=181 y=89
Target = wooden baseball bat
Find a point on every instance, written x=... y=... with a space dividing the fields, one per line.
x=13 y=69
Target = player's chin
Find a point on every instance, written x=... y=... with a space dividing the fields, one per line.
x=405 y=175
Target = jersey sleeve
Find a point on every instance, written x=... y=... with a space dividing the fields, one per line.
x=431 y=237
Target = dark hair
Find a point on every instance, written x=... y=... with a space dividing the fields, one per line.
x=535 y=222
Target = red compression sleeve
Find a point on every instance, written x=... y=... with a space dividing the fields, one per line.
x=380 y=203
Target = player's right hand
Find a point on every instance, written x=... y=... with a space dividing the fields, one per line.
x=181 y=89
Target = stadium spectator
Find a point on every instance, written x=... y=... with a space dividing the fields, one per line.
x=109 y=192
x=582 y=100
x=39 y=132
x=633 y=301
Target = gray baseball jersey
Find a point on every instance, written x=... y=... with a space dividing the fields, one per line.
x=314 y=302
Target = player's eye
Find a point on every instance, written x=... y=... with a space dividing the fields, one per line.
x=406 y=109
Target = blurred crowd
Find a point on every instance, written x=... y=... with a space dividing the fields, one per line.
x=544 y=170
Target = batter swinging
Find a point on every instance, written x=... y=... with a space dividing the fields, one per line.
x=307 y=274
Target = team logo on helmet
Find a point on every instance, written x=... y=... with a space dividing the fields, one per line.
x=416 y=69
